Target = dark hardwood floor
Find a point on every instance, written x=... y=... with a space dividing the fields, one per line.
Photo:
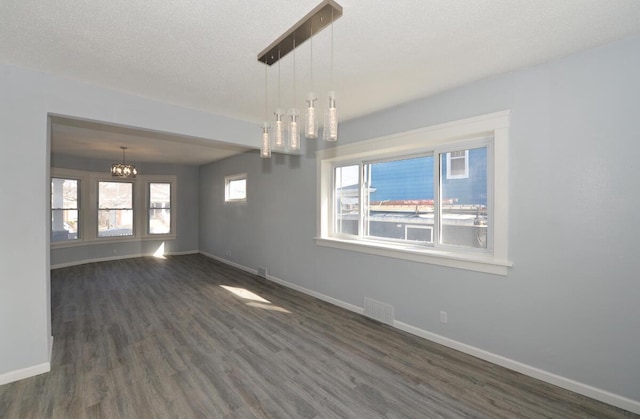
x=153 y=338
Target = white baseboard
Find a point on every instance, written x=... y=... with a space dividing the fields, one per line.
x=23 y=373
x=11 y=376
x=118 y=257
x=551 y=378
x=184 y=252
x=330 y=300
x=228 y=262
x=277 y=280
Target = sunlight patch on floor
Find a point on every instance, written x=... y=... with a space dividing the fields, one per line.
x=255 y=299
x=268 y=307
x=245 y=293
x=160 y=252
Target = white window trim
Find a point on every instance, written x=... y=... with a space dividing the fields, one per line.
x=171 y=180
x=77 y=208
x=495 y=125
x=227 y=181
x=88 y=229
x=133 y=208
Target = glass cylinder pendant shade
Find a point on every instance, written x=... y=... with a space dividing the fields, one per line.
x=265 y=149
x=311 y=118
x=294 y=131
x=331 y=120
x=278 y=135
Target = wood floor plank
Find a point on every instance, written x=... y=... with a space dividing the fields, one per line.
x=184 y=337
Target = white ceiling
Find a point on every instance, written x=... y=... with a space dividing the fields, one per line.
x=92 y=140
x=202 y=54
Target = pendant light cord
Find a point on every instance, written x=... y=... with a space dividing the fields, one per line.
x=266 y=95
x=311 y=56
x=279 y=78
x=294 y=72
x=332 y=49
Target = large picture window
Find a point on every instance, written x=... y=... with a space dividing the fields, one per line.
x=436 y=195
x=401 y=203
x=64 y=209
x=115 y=209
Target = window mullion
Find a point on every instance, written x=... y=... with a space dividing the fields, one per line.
x=364 y=198
x=437 y=227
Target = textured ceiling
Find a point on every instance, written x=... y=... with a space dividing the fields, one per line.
x=202 y=54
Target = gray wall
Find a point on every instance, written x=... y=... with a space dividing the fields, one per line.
x=27 y=97
x=569 y=305
x=187 y=208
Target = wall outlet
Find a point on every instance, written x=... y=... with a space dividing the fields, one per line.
x=227 y=252
x=262 y=271
x=443 y=317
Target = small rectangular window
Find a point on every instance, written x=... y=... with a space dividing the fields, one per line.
x=235 y=189
x=457 y=164
x=64 y=209
x=159 y=208
x=115 y=209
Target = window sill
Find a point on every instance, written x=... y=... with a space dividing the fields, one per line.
x=472 y=262
x=109 y=240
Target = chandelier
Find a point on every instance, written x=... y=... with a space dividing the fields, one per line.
x=320 y=17
x=123 y=169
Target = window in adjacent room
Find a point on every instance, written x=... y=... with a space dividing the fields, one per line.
x=115 y=209
x=235 y=189
x=159 y=208
x=64 y=209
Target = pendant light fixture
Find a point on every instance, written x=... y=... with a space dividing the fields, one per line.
x=279 y=135
x=331 y=116
x=123 y=169
x=265 y=148
x=316 y=20
x=311 y=118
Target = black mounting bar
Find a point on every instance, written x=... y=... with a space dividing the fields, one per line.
x=324 y=14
